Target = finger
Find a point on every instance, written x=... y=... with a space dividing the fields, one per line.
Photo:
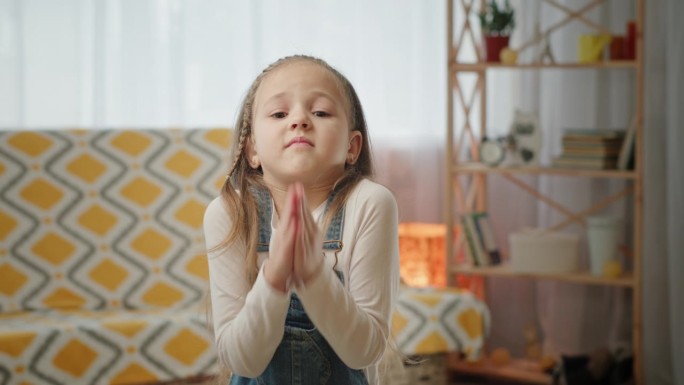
x=292 y=208
x=311 y=230
x=301 y=199
x=288 y=221
x=307 y=219
x=297 y=257
x=303 y=236
x=292 y=224
x=301 y=207
x=292 y=201
x=285 y=221
x=290 y=231
x=304 y=240
x=302 y=195
x=283 y=249
x=309 y=235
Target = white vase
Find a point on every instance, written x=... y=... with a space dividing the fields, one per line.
x=602 y=234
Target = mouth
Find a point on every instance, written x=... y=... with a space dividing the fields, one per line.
x=299 y=141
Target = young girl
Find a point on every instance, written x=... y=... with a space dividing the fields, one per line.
x=303 y=247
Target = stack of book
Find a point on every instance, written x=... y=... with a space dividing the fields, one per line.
x=590 y=148
x=481 y=248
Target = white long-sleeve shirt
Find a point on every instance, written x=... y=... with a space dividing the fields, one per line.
x=355 y=320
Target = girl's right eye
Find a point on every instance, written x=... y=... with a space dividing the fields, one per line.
x=278 y=115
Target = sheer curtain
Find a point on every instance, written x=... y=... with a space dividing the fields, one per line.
x=183 y=63
x=664 y=208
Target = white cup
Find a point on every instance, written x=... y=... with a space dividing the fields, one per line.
x=603 y=241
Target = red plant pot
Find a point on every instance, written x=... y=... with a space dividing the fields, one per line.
x=493 y=47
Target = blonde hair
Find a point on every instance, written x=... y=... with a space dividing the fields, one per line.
x=242 y=177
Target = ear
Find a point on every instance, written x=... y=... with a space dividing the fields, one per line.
x=354 y=149
x=251 y=153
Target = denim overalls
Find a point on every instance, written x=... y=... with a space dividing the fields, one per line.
x=303 y=356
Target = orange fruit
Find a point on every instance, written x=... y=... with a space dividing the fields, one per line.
x=509 y=56
x=547 y=363
x=612 y=269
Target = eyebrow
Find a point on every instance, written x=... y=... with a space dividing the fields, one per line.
x=324 y=95
x=280 y=95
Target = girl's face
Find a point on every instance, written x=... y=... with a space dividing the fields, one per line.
x=300 y=127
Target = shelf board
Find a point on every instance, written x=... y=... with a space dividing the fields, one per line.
x=517 y=370
x=475 y=168
x=597 y=65
x=505 y=271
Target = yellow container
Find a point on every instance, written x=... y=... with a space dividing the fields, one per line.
x=590 y=47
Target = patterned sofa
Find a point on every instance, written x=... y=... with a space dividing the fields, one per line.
x=103 y=272
x=102 y=264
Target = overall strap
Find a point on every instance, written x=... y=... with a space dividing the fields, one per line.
x=265 y=209
x=333 y=237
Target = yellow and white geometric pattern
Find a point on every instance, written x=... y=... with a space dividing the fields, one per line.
x=102 y=260
x=432 y=321
x=104 y=347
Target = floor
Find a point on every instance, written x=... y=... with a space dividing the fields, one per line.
x=460 y=381
x=475 y=381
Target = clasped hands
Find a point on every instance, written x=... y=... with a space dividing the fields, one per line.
x=295 y=254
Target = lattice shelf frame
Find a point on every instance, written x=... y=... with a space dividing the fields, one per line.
x=466 y=191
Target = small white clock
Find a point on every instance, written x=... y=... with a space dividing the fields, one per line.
x=492 y=152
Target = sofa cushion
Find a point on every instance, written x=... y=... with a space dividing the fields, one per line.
x=106 y=219
x=104 y=347
x=440 y=320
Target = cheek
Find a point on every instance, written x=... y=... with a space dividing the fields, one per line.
x=338 y=148
x=260 y=138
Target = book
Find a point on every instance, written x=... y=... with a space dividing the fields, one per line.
x=473 y=242
x=468 y=253
x=598 y=152
x=486 y=234
x=589 y=140
x=469 y=245
x=586 y=157
x=626 y=158
x=585 y=163
x=594 y=132
x=592 y=145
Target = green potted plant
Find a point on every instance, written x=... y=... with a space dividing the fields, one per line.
x=497 y=24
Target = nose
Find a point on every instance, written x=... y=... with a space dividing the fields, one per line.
x=299 y=119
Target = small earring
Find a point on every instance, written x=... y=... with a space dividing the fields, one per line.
x=350 y=159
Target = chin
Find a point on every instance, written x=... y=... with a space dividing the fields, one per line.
x=310 y=172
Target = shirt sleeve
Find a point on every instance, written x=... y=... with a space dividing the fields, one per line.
x=249 y=322
x=356 y=322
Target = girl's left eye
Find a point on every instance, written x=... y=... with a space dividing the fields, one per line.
x=321 y=114
x=278 y=115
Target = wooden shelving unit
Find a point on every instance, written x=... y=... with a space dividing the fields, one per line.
x=467 y=178
x=465 y=67
x=506 y=271
x=479 y=168
x=517 y=370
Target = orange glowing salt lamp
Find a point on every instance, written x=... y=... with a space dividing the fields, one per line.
x=422 y=254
